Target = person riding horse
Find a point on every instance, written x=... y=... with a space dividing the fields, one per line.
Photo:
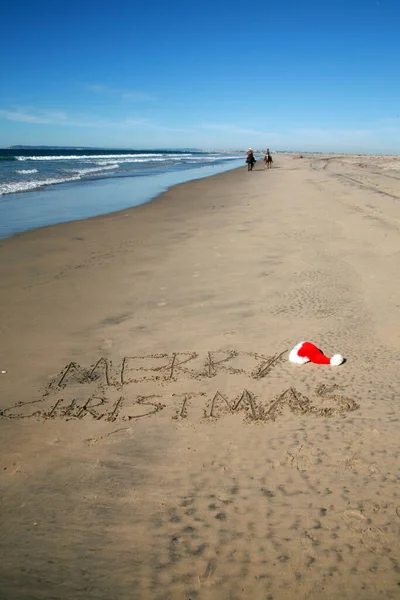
x=268 y=159
x=250 y=160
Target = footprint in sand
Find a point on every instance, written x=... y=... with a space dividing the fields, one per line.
x=355 y=520
x=359 y=453
x=371 y=537
x=106 y=344
x=305 y=458
x=374 y=540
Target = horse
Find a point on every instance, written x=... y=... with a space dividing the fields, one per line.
x=268 y=161
x=250 y=160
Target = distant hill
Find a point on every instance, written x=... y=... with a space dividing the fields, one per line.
x=20 y=147
x=52 y=148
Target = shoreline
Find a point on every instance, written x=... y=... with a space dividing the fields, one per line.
x=154 y=435
x=87 y=198
x=114 y=213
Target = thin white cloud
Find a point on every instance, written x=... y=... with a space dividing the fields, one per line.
x=41 y=117
x=155 y=126
x=331 y=133
x=173 y=129
x=49 y=117
x=137 y=122
x=61 y=118
x=132 y=95
x=137 y=97
x=233 y=129
x=96 y=88
x=390 y=120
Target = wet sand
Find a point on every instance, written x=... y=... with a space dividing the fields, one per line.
x=156 y=443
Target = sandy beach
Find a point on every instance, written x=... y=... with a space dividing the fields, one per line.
x=156 y=443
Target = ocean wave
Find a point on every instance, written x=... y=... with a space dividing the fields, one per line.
x=133 y=160
x=74 y=168
x=26 y=171
x=97 y=169
x=210 y=158
x=86 y=156
x=26 y=186
x=165 y=158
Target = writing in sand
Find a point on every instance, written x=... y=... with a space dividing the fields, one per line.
x=120 y=392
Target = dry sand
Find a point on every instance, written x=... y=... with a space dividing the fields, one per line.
x=194 y=461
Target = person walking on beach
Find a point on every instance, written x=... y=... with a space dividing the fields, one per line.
x=250 y=160
x=268 y=160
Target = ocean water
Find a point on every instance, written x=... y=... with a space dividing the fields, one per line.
x=29 y=169
x=41 y=187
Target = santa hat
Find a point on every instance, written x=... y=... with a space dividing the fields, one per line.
x=307 y=352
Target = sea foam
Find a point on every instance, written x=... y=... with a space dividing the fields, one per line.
x=26 y=171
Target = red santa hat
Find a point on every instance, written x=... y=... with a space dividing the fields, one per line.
x=307 y=352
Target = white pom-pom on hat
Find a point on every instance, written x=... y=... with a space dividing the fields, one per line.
x=337 y=360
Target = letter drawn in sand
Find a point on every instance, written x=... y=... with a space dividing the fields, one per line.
x=73 y=410
x=88 y=408
x=215 y=360
x=23 y=410
x=154 y=367
x=179 y=359
x=151 y=408
x=72 y=373
x=268 y=364
x=101 y=372
x=244 y=400
x=252 y=364
x=300 y=404
x=186 y=404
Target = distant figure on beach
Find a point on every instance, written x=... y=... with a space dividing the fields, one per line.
x=268 y=159
x=250 y=160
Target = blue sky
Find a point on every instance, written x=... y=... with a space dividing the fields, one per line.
x=311 y=75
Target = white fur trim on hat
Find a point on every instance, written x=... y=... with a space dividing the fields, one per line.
x=295 y=358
